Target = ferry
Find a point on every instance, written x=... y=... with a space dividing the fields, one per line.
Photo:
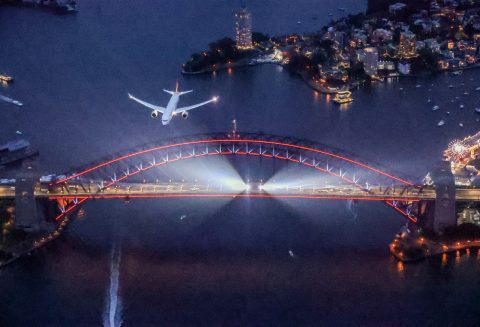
x=5 y=78
x=343 y=97
x=15 y=151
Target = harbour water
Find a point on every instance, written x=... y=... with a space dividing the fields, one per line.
x=220 y=262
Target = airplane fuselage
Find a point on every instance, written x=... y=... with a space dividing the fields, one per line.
x=170 y=109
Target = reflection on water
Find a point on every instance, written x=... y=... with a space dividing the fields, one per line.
x=444 y=259
x=112 y=316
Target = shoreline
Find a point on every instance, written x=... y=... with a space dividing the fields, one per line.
x=314 y=86
x=411 y=249
x=35 y=244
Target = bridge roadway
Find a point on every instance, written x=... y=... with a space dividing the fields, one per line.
x=159 y=190
x=165 y=190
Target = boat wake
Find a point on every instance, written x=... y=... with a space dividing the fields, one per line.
x=112 y=316
x=352 y=208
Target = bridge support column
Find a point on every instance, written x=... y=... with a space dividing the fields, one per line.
x=27 y=217
x=445 y=207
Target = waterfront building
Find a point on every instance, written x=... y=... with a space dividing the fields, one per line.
x=407 y=47
x=432 y=44
x=370 y=61
x=386 y=65
x=380 y=36
x=404 y=67
x=243 y=29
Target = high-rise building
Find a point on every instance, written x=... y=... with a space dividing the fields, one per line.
x=407 y=47
x=243 y=29
x=370 y=61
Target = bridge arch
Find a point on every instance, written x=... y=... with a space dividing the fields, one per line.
x=334 y=162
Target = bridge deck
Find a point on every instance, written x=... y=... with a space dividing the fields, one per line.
x=151 y=190
x=132 y=190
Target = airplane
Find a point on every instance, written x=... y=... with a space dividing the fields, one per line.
x=171 y=109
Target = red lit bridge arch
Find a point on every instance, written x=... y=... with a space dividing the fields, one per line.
x=348 y=168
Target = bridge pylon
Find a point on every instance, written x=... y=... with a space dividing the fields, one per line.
x=445 y=202
x=28 y=217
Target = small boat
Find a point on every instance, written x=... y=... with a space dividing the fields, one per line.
x=435 y=108
x=401 y=89
x=429 y=100
x=477 y=89
x=299 y=21
x=477 y=110
x=441 y=123
x=466 y=93
x=343 y=97
x=460 y=124
x=457 y=72
x=330 y=14
x=418 y=85
x=448 y=112
x=462 y=106
x=450 y=86
x=5 y=78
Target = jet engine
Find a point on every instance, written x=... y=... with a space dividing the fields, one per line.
x=154 y=114
x=184 y=115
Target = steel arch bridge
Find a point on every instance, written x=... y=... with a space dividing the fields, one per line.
x=345 y=167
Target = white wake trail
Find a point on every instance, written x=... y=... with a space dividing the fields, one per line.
x=112 y=316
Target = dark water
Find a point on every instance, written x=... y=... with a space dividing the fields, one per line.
x=227 y=263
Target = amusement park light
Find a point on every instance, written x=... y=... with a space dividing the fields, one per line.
x=457 y=150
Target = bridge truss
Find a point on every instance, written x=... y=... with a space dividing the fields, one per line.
x=345 y=167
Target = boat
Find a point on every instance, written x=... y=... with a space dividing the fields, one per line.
x=5 y=78
x=15 y=151
x=477 y=110
x=462 y=106
x=450 y=86
x=441 y=123
x=466 y=93
x=343 y=97
x=10 y=100
x=435 y=108
x=477 y=89
x=448 y=112
x=418 y=85
x=429 y=100
x=460 y=124
x=457 y=72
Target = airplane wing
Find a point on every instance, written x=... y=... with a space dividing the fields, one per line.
x=146 y=104
x=179 y=110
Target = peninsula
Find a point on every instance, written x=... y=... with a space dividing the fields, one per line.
x=400 y=39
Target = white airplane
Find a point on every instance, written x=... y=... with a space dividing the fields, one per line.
x=171 y=109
